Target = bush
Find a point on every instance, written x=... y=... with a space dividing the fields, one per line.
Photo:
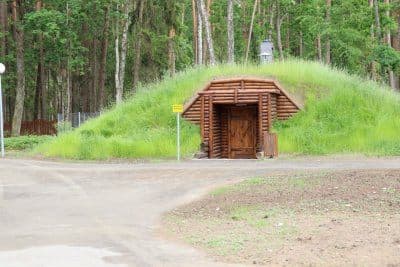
x=25 y=142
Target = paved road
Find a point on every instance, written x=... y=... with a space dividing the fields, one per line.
x=106 y=215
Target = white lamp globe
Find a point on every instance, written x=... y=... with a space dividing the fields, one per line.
x=2 y=68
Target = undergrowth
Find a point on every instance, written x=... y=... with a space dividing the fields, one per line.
x=25 y=142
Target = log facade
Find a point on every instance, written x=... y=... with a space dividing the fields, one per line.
x=234 y=114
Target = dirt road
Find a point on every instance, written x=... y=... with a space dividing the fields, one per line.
x=90 y=214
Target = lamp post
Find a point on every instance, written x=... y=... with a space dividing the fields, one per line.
x=2 y=70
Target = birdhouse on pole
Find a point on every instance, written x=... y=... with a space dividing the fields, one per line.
x=266 y=52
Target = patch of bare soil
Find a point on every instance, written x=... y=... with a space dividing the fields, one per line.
x=336 y=218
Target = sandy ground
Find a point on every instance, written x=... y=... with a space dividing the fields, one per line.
x=98 y=214
x=339 y=218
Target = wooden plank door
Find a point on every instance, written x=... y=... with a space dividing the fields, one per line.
x=242 y=132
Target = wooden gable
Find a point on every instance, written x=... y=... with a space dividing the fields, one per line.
x=242 y=90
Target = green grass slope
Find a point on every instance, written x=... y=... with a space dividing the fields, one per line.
x=342 y=114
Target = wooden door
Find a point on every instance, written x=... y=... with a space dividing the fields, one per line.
x=242 y=132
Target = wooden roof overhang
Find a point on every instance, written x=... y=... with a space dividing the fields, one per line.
x=238 y=91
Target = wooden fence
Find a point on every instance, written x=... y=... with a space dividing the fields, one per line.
x=35 y=127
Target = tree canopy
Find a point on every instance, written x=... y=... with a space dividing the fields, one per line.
x=79 y=56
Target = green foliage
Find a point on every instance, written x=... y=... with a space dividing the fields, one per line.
x=387 y=57
x=25 y=142
x=343 y=114
x=60 y=38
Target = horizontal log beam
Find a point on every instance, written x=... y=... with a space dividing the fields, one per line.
x=245 y=91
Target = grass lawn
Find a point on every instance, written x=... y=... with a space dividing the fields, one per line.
x=342 y=114
x=346 y=218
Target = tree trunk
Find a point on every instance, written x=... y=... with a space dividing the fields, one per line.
x=205 y=56
x=3 y=44
x=207 y=27
x=271 y=21
x=372 y=34
x=199 y=36
x=122 y=55
x=250 y=30
x=396 y=45
x=278 y=30
x=38 y=103
x=95 y=76
x=68 y=78
x=171 y=51
x=195 y=33
x=319 y=48
x=3 y=28
x=377 y=21
x=20 y=88
x=138 y=46
x=388 y=40
x=328 y=40
x=287 y=45
x=301 y=49
x=86 y=78
x=37 y=109
x=103 y=59
x=231 y=33
x=117 y=63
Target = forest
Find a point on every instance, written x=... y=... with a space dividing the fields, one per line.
x=66 y=56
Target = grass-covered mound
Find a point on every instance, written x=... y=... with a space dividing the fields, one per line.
x=342 y=114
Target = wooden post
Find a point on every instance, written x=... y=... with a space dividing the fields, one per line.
x=202 y=118
x=260 y=119
x=236 y=95
x=229 y=132
x=210 y=139
x=269 y=110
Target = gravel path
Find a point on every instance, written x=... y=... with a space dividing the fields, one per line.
x=95 y=215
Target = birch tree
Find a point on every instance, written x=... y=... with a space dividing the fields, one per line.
x=120 y=52
x=204 y=15
x=328 y=40
x=251 y=29
x=231 y=33
x=199 y=35
x=279 y=20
